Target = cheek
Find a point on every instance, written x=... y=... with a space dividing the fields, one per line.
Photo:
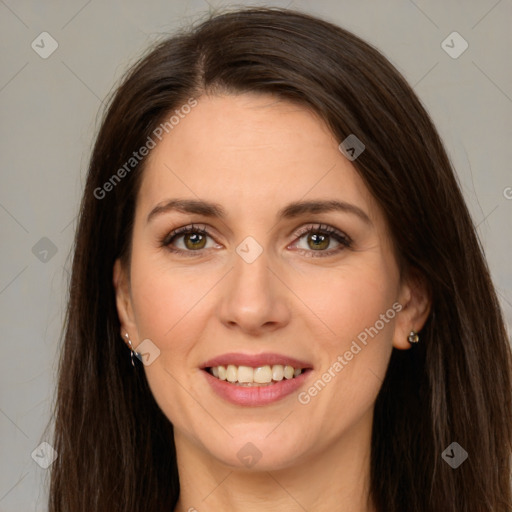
x=354 y=337
x=347 y=301
x=166 y=299
x=170 y=311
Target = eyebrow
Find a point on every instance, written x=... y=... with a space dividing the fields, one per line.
x=290 y=211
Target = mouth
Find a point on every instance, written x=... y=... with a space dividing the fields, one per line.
x=255 y=380
x=249 y=376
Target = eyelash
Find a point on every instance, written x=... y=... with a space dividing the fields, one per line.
x=323 y=229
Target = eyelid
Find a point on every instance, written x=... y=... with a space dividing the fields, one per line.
x=324 y=228
x=199 y=228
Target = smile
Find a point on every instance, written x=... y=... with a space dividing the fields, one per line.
x=266 y=375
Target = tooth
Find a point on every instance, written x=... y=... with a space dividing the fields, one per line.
x=288 y=372
x=245 y=374
x=277 y=372
x=222 y=372
x=231 y=373
x=262 y=375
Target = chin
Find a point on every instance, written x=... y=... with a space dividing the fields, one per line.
x=258 y=451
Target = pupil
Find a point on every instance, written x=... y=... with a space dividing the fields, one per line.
x=319 y=238
x=195 y=238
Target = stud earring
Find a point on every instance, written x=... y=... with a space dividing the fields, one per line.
x=413 y=337
x=132 y=352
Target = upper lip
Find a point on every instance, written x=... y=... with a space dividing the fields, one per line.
x=255 y=360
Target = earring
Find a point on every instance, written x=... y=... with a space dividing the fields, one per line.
x=132 y=352
x=413 y=337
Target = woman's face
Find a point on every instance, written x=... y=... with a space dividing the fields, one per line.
x=264 y=287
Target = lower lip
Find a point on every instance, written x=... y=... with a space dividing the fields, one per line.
x=255 y=395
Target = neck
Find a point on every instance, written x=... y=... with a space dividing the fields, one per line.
x=335 y=479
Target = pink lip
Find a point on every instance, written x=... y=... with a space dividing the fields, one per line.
x=255 y=395
x=255 y=360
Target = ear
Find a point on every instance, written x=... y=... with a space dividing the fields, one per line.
x=416 y=300
x=125 y=312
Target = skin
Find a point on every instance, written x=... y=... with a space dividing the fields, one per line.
x=254 y=154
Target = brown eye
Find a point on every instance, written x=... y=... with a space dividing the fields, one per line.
x=319 y=238
x=194 y=240
x=318 y=241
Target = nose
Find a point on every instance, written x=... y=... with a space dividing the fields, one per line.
x=254 y=299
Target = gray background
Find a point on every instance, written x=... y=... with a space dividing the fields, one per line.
x=49 y=111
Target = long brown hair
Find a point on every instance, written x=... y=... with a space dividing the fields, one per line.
x=115 y=446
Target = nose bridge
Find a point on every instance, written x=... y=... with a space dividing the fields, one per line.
x=254 y=298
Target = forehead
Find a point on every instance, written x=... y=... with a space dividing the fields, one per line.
x=250 y=152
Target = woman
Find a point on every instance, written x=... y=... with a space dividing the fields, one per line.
x=278 y=299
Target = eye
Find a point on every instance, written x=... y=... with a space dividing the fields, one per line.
x=193 y=239
x=319 y=238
